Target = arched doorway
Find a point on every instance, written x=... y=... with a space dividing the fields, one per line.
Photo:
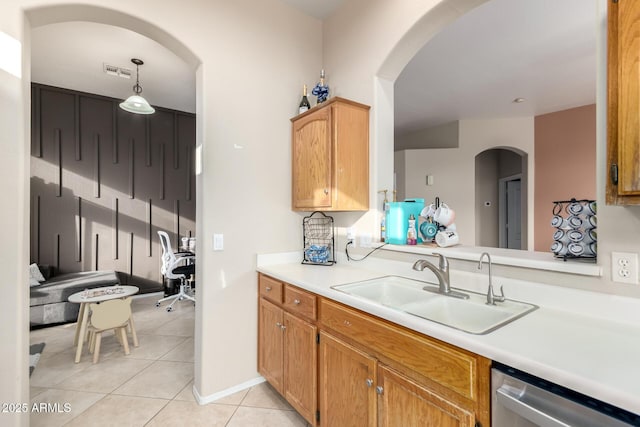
x=18 y=121
x=501 y=203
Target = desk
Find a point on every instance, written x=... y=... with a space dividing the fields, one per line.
x=97 y=295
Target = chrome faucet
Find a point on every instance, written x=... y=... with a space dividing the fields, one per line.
x=442 y=274
x=491 y=297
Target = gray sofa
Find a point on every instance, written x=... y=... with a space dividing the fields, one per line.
x=48 y=300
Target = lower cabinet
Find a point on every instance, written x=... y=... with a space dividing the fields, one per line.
x=270 y=344
x=404 y=402
x=357 y=390
x=300 y=366
x=287 y=353
x=343 y=367
x=346 y=391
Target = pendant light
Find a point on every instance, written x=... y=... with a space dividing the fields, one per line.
x=136 y=103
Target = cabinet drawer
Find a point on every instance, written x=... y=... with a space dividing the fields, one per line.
x=444 y=364
x=270 y=289
x=300 y=302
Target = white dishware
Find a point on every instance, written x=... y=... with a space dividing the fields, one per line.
x=428 y=211
x=444 y=215
x=447 y=238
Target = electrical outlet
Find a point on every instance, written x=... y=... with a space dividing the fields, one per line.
x=365 y=240
x=624 y=267
x=351 y=233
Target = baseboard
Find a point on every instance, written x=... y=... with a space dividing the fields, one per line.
x=203 y=400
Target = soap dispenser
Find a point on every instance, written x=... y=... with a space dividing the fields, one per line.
x=411 y=232
x=383 y=221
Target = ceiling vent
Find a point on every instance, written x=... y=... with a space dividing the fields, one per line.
x=112 y=70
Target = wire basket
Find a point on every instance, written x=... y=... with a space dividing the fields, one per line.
x=575 y=235
x=318 y=239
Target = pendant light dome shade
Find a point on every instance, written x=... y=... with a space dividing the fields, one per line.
x=136 y=103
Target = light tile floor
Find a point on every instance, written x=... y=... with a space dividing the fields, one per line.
x=150 y=387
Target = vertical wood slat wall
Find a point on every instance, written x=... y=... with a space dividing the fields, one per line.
x=104 y=181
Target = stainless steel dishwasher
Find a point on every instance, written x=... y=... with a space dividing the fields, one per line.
x=519 y=399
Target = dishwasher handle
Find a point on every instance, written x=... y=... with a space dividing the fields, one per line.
x=527 y=411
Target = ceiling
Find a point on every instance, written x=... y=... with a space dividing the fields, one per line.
x=72 y=54
x=541 y=50
x=320 y=9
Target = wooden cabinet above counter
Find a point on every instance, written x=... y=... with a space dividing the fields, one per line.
x=330 y=157
x=623 y=109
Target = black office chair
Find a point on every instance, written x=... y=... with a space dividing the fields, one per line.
x=172 y=270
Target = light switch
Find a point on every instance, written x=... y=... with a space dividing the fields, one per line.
x=429 y=179
x=218 y=242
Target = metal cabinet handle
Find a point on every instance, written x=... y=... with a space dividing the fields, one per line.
x=279 y=325
x=296 y=301
x=369 y=382
x=283 y=327
x=326 y=191
x=379 y=389
x=347 y=323
x=268 y=288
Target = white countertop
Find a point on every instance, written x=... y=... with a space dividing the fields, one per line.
x=586 y=341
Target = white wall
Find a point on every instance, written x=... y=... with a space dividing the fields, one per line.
x=14 y=184
x=440 y=136
x=453 y=169
x=253 y=57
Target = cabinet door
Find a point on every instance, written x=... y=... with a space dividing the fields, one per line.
x=403 y=402
x=623 y=150
x=270 y=342
x=347 y=385
x=312 y=177
x=351 y=127
x=301 y=366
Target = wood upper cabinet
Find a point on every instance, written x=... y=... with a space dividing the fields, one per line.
x=330 y=157
x=623 y=122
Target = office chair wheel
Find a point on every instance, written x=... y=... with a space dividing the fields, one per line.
x=169 y=308
x=157 y=304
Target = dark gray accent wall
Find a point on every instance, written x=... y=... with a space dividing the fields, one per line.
x=104 y=181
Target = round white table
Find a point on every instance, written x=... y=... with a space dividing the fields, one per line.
x=97 y=295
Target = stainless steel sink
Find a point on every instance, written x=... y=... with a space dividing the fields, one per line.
x=471 y=315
